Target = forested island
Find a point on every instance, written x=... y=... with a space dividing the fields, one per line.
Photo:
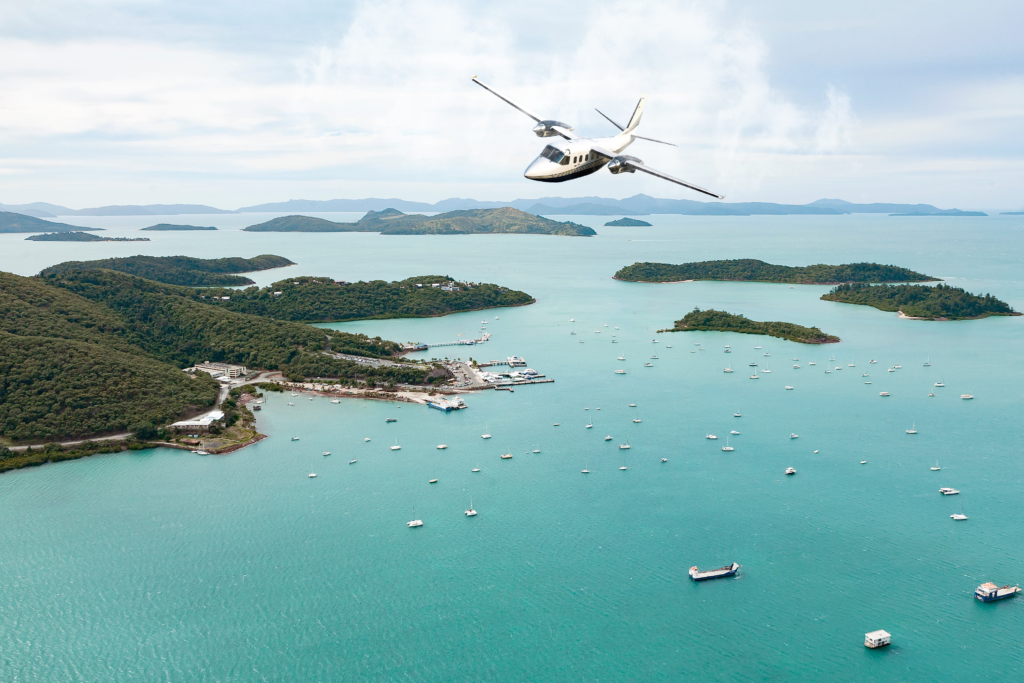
x=319 y=299
x=181 y=270
x=629 y=222
x=752 y=270
x=81 y=237
x=92 y=352
x=722 y=321
x=394 y=222
x=17 y=222
x=171 y=226
x=940 y=302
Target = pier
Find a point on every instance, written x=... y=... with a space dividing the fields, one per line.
x=461 y=342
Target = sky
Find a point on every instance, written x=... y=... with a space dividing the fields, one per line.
x=232 y=103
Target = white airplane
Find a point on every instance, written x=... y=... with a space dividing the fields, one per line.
x=576 y=157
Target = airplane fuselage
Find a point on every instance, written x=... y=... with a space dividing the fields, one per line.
x=563 y=160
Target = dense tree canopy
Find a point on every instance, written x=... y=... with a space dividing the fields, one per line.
x=180 y=270
x=752 y=270
x=940 y=301
x=722 y=321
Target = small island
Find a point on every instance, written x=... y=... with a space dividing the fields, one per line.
x=505 y=220
x=722 y=321
x=171 y=226
x=180 y=270
x=81 y=237
x=940 y=302
x=629 y=222
x=752 y=270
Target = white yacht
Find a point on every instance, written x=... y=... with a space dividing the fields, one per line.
x=623 y=467
x=335 y=400
x=897 y=366
x=727 y=447
x=883 y=393
x=755 y=377
x=913 y=429
x=790 y=470
x=946 y=491
x=295 y=438
x=326 y=453
x=794 y=435
x=936 y=467
x=789 y=388
x=928 y=363
x=737 y=415
x=485 y=435
x=796 y=367
x=862 y=462
x=632 y=405
x=710 y=436
x=608 y=438
x=589 y=425
x=471 y=512
x=366 y=439
x=811 y=363
x=966 y=397
x=535 y=450
x=621 y=358
x=441 y=446
x=959 y=516
x=290 y=403
x=624 y=446
x=872 y=361
x=414 y=523
x=648 y=365
x=654 y=357
x=432 y=481
x=586 y=470
x=727 y=369
x=396 y=447
x=475 y=469
x=636 y=420
x=939 y=384
x=352 y=461
x=620 y=372
x=734 y=433
x=312 y=475
x=757 y=347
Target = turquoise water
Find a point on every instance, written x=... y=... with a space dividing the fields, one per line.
x=164 y=566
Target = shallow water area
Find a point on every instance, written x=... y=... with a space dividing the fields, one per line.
x=163 y=565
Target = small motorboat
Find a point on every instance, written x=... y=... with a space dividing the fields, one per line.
x=863 y=462
x=391 y=419
x=636 y=420
x=366 y=439
x=737 y=415
x=441 y=446
x=794 y=435
x=648 y=365
x=414 y=523
x=535 y=450
x=624 y=446
x=352 y=461
x=734 y=432
x=326 y=453
x=623 y=467
x=790 y=470
x=664 y=459
x=966 y=397
x=506 y=456
x=710 y=436
x=789 y=388
x=432 y=481
x=295 y=438
x=608 y=438
x=883 y=393
x=946 y=491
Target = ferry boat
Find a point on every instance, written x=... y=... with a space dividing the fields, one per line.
x=697 y=575
x=988 y=592
x=790 y=470
x=946 y=491
x=877 y=638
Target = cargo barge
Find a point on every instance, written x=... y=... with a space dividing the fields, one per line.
x=989 y=592
x=722 y=572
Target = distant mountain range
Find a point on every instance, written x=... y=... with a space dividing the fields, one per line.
x=637 y=205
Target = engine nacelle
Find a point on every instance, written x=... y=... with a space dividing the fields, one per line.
x=545 y=129
x=619 y=165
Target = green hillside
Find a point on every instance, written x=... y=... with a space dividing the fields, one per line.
x=752 y=270
x=722 y=321
x=16 y=222
x=940 y=302
x=306 y=224
x=312 y=299
x=99 y=351
x=180 y=270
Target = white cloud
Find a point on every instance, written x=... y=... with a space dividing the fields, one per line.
x=385 y=105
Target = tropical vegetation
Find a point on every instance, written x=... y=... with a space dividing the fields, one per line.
x=722 y=321
x=318 y=299
x=940 y=302
x=629 y=222
x=180 y=270
x=752 y=270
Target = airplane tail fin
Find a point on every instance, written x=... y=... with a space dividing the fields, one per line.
x=634 y=120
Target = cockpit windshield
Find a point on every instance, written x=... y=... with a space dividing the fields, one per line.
x=552 y=153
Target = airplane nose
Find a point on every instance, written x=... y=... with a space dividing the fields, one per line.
x=537 y=169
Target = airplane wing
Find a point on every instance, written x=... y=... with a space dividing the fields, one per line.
x=545 y=127
x=619 y=163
